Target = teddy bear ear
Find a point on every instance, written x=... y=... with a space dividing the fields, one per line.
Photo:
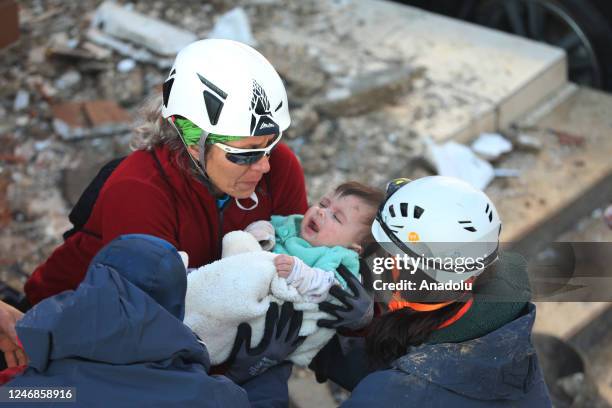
x=184 y=258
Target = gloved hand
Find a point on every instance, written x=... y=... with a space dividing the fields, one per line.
x=263 y=231
x=357 y=308
x=279 y=340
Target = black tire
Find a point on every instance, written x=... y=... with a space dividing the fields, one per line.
x=589 y=63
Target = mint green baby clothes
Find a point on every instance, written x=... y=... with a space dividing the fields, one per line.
x=289 y=242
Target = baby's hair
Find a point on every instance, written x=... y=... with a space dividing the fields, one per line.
x=371 y=196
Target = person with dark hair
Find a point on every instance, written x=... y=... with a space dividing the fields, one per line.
x=463 y=339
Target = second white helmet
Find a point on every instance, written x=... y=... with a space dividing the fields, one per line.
x=227 y=88
x=439 y=218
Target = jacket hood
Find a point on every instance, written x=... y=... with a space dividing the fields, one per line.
x=127 y=310
x=149 y=263
x=499 y=365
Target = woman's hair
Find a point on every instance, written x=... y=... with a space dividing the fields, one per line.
x=371 y=196
x=393 y=333
x=152 y=130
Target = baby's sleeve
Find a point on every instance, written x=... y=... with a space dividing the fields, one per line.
x=312 y=283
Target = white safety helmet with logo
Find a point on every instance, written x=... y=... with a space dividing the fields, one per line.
x=226 y=88
x=451 y=225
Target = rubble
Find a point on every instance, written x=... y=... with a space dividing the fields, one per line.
x=9 y=21
x=491 y=145
x=456 y=160
x=368 y=92
x=22 y=100
x=234 y=25
x=87 y=119
x=154 y=34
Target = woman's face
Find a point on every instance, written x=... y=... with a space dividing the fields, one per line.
x=235 y=180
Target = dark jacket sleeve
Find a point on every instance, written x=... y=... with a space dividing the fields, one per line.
x=270 y=389
x=343 y=360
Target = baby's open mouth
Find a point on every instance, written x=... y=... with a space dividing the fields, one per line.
x=313 y=226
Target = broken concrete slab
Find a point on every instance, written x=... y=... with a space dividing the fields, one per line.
x=491 y=145
x=72 y=120
x=156 y=35
x=367 y=92
x=456 y=160
x=234 y=25
x=127 y=50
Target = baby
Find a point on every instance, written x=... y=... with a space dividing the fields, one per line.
x=241 y=285
x=333 y=232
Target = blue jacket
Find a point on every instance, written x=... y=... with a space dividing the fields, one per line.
x=499 y=369
x=119 y=340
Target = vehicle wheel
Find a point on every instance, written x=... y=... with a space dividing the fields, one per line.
x=574 y=25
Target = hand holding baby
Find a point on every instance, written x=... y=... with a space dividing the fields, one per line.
x=284 y=265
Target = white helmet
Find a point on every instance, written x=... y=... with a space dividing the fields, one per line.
x=227 y=88
x=451 y=225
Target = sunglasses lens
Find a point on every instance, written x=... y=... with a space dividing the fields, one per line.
x=244 y=159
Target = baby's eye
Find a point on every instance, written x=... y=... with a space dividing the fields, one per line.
x=322 y=204
x=337 y=219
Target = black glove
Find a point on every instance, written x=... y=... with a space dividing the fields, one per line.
x=279 y=340
x=357 y=308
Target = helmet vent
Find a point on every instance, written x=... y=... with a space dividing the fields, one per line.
x=489 y=212
x=213 y=107
x=172 y=72
x=418 y=211
x=469 y=227
x=404 y=209
x=166 y=88
x=392 y=211
x=280 y=105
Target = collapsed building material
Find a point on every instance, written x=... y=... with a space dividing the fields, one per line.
x=234 y=25
x=9 y=21
x=74 y=120
x=156 y=35
x=368 y=92
x=491 y=145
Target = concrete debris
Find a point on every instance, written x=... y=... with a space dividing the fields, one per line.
x=156 y=35
x=22 y=100
x=456 y=160
x=367 y=92
x=491 y=145
x=501 y=172
x=568 y=139
x=127 y=50
x=527 y=142
x=68 y=80
x=234 y=25
x=74 y=120
x=126 y=65
x=9 y=21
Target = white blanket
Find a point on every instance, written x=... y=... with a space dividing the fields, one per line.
x=239 y=288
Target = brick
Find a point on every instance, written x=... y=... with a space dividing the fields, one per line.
x=9 y=21
x=92 y=118
x=101 y=113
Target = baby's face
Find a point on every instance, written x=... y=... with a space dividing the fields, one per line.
x=335 y=221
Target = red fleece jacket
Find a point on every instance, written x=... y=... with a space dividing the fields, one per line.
x=137 y=198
